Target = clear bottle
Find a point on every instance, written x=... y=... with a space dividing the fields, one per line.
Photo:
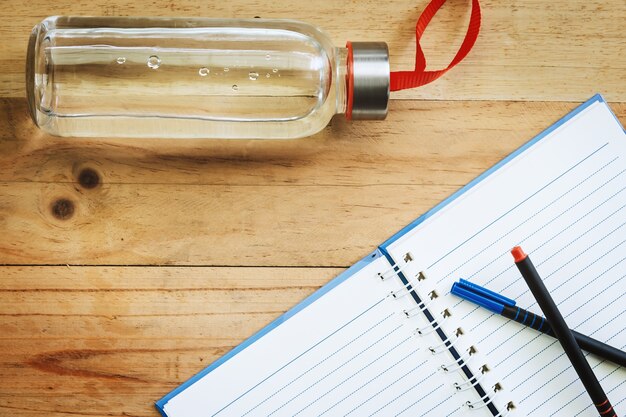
x=198 y=78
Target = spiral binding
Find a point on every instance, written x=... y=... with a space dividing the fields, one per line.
x=445 y=345
x=504 y=412
x=429 y=328
x=470 y=383
x=448 y=344
x=423 y=306
x=456 y=365
x=391 y=272
x=484 y=401
x=405 y=289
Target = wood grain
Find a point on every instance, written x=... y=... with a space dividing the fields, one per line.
x=107 y=339
x=247 y=203
x=528 y=49
x=126 y=266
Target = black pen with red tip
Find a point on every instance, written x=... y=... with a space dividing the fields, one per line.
x=563 y=333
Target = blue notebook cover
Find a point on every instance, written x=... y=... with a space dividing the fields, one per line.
x=380 y=251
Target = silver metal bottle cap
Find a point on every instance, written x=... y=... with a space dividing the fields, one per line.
x=370 y=80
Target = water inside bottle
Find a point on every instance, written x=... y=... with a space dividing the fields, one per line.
x=108 y=74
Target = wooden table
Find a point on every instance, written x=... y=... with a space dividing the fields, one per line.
x=130 y=265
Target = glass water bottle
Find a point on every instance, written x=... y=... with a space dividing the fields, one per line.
x=198 y=78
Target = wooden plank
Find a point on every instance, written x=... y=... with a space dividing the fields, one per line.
x=164 y=278
x=311 y=202
x=111 y=340
x=421 y=142
x=219 y=304
x=203 y=225
x=528 y=50
x=142 y=294
x=342 y=154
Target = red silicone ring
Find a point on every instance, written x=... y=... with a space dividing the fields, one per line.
x=349 y=82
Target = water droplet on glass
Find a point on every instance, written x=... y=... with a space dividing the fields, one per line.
x=268 y=57
x=154 y=62
x=235 y=87
x=120 y=60
x=267 y=75
x=253 y=75
x=204 y=71
x=274 y=70
x=226 y=69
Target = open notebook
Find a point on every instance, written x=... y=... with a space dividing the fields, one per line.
x=386 y=337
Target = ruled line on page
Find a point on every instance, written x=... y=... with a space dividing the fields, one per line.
x=323 y=360
x=574 y=222
x=518 y=205
x=511 y=230
x=406 y=392
x=576 y=380
x=542 y=244
x=300 y=355
x=389 y=386
x=371 y=380
x=359 y=370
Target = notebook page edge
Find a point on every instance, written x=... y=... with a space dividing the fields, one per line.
x=348 y=273
x=421 y=219
x=597 y=103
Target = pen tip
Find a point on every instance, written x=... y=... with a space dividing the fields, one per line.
x=518 y=254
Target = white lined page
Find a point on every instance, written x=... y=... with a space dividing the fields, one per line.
x=564 y=200
x=352 y=352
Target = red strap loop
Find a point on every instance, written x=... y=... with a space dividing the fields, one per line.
x=401 y=80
